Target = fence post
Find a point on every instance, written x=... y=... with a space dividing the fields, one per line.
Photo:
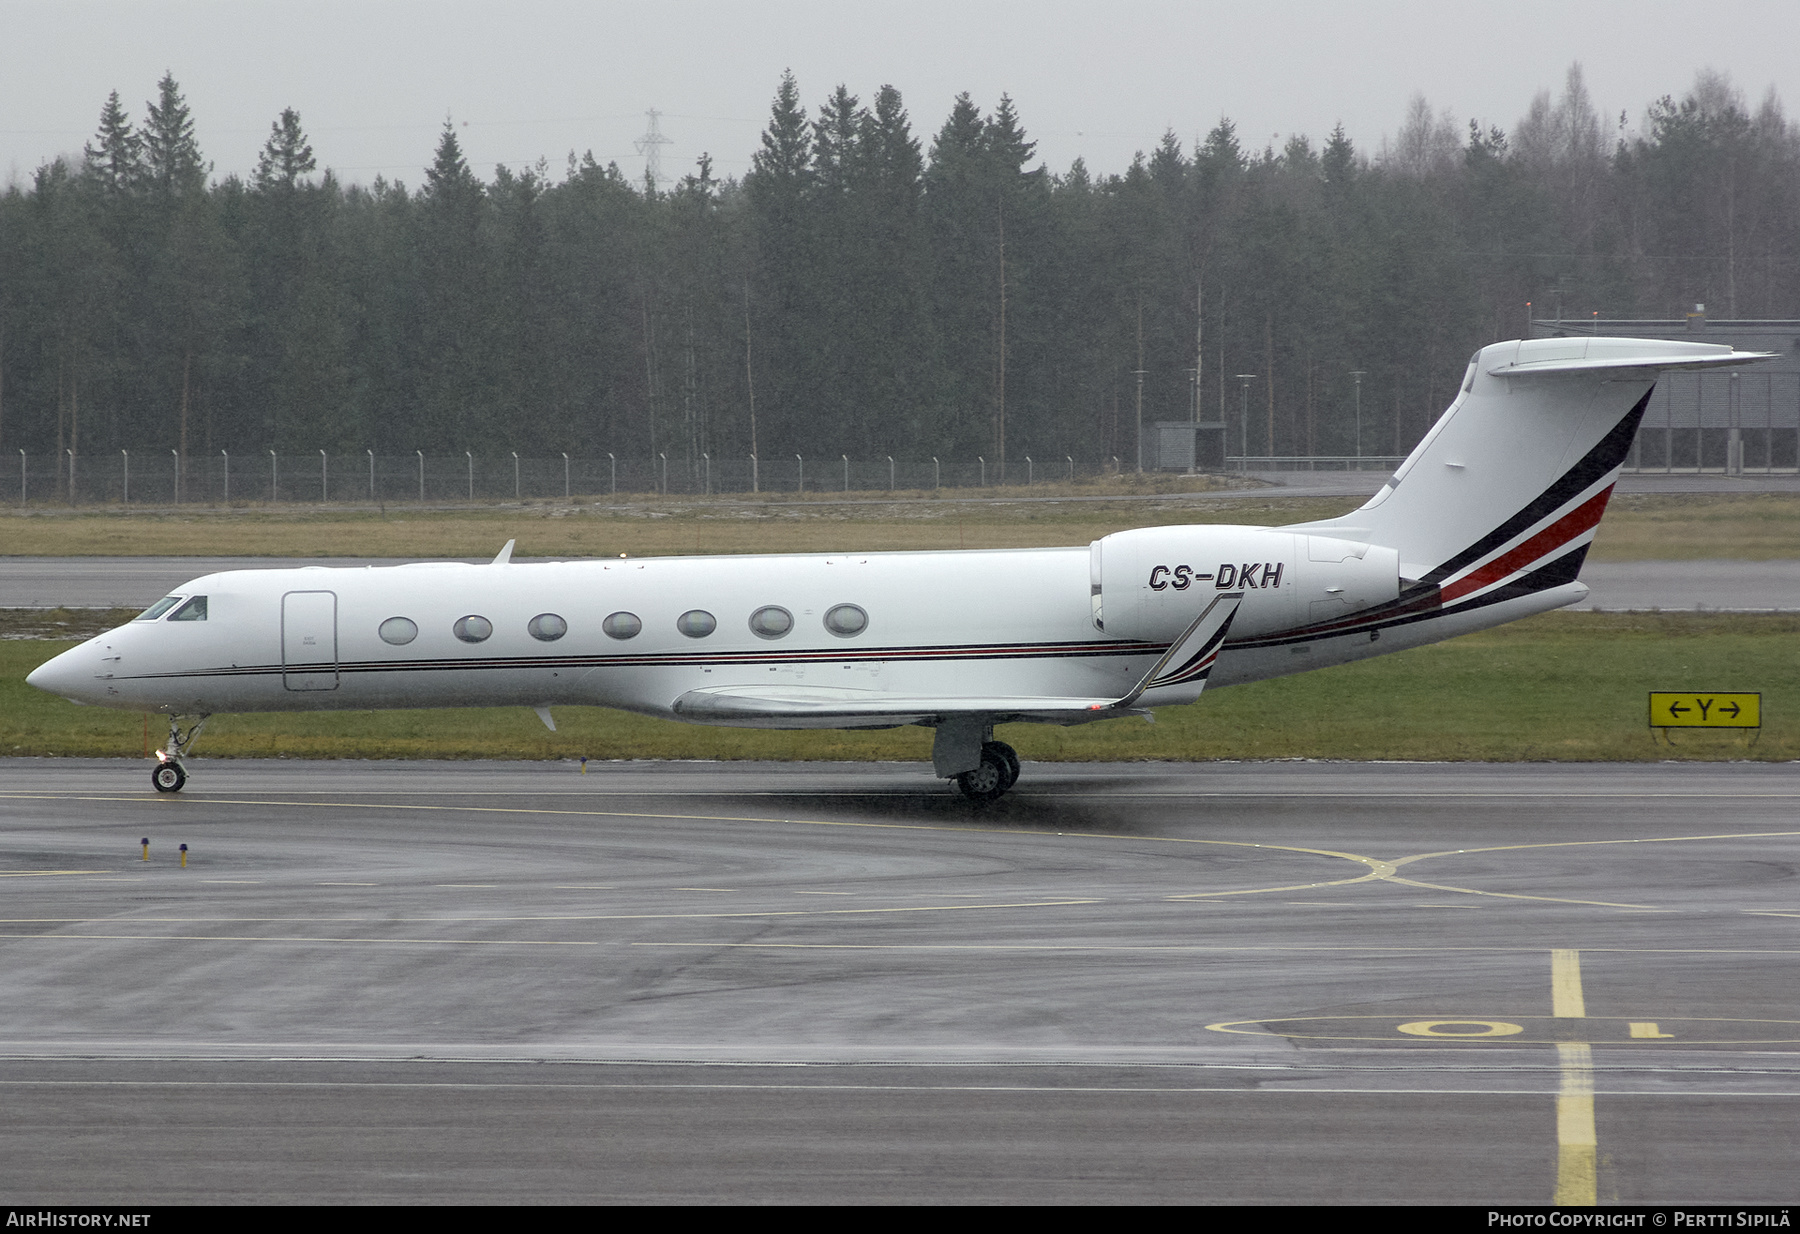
x=801 y=487
x=21 y=477
x=274 y=476
x=516 y=496
x=613 y=465
x=890 y=459
x=706 y=473
x=565 y=455
x=1071 y=459
x=176 y=455
x=470 y=455
x=937 y=474
x=421 y=455
x=983 y=462
x=71 y=453
x=371 y=454
x=846 y=459
x=126 y=455
x=1028 y=472
x=227 y=470
x=324 y=479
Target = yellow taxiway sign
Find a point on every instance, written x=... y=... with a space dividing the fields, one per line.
x=1705 y=709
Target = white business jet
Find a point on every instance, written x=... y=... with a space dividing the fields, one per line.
x=1487 y=521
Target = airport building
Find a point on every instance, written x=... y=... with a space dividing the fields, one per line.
x=1735 y=422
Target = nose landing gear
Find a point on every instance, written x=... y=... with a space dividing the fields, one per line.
x=170 y=776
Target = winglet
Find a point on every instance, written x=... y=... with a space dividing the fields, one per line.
x=1190 y=657
x=505 y=554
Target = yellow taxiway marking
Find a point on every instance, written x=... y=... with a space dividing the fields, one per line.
x=44 y=873
x=1375 y=869
x=1577 y=1145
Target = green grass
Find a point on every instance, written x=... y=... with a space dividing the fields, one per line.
x=1751 y=526
x=1564 y=686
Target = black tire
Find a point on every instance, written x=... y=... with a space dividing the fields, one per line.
x=168 y=777
x=1008 y=757
x=987 y=781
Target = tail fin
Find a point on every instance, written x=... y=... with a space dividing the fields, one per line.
x=1506 y=489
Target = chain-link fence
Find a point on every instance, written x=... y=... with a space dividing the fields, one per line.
x=162 y=477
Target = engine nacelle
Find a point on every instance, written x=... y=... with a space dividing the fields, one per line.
x=1151 y=583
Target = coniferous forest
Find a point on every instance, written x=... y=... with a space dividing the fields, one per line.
x=866 y=292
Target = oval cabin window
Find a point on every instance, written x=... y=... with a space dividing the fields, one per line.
x=696 y=623
x=621 y=625
x=846 y=620
x=771 y=622
x=399 y=631
x=547 y=627
x=472 y=629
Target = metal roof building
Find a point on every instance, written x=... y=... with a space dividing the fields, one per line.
x=1744 y=420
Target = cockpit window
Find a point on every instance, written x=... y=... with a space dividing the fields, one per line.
x=158 y=609
x=193 y=610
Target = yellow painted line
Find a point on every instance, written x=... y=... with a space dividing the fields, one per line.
x=542 y=917
x=45 y=873
x=1566 y=1001
x=1577 y=1145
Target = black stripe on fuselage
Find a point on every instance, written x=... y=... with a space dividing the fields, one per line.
x=888 y=655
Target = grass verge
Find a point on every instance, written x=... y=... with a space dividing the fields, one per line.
x=1563 y=686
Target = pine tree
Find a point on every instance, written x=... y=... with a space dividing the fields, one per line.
x=172 y=159
x=286 y=156
x=117 y=162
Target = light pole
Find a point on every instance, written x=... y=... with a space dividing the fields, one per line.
x=1357 y=375
x=1244 y=380
x=1140 y=405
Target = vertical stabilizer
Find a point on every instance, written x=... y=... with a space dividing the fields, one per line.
x=1503 y=494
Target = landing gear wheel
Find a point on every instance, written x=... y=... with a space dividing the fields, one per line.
x=168 y=777
x=987 y=781
x=1008 y=758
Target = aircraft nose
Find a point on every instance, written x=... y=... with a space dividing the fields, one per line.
x=65 y=675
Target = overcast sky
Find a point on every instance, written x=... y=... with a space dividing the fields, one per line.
x=373 y=80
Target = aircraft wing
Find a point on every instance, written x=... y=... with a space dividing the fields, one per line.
x=1188 y=659
x=840 y=707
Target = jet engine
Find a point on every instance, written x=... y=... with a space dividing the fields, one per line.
x=1151 y=583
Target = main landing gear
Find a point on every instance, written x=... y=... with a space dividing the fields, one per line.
x=170 y=776
x=997 y=772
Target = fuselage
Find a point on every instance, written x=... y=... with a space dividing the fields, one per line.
x=639 y=633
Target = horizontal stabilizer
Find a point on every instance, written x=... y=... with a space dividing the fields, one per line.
x=1691 y=356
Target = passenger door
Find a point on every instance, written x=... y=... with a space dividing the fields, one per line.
x=309 y=640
